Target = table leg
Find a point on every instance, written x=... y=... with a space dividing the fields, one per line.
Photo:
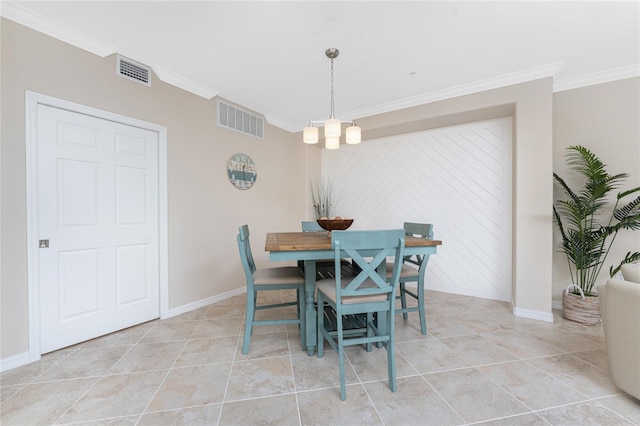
x=310 y=320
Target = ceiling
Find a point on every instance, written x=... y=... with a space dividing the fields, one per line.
x=269 y=56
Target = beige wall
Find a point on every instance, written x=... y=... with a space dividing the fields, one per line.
x=604 y=118
x=205 y=209
x=530 y=104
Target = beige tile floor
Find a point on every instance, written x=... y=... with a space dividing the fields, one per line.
x=477 y=365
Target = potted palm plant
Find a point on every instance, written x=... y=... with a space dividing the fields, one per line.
x=588 y=226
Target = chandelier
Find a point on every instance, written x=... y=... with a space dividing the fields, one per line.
x=332 y=126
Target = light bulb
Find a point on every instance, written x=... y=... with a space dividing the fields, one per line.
x=310 y=135
x=332 y=143
x=332 y=128
x=353 y=135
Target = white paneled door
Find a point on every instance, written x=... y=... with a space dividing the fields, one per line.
x=98 y=226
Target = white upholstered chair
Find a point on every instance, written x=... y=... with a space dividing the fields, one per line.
x=619 y=302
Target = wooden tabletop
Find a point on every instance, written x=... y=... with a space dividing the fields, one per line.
x=297 y=241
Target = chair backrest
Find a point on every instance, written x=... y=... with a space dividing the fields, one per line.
x=311 y=226
x=368 y=250
x=422 y=230
x=246 y=257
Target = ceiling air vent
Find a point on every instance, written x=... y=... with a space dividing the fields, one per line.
x=133 y=71
x=239 y=120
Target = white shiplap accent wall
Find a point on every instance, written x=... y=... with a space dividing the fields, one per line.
x=458 y=178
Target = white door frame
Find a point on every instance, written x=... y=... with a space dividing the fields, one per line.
x=32 y=100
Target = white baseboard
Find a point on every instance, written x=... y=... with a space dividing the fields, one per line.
x=556 y=304
x=519 y=312
x=536 y=315
x=204 y=302
x=14 y=361
x=467 y=292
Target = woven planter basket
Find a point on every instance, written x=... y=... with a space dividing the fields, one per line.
x=579 y=308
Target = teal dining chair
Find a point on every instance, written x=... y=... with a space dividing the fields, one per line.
x=413 y=269
x=367 y=293
x=267 y=279
x=324 y=267
x=311 y=226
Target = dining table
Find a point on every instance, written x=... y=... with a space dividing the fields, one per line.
x=310 y=247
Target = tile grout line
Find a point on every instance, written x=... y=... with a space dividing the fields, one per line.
x=509 y=417
x=532 y=411
x=597 y=401
x=443 y=399
x=165 y=376
x=562 y=353
x=105 y=374
x=33 y=380
x=558 y=378
x=239 y=341
x=293 y=376
x=505 y=390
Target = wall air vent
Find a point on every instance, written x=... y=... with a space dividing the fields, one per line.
x=133 y=71
x=234 y=118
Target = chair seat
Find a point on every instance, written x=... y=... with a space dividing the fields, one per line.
x=328 y=287
x=406 y=271
x=278 y=275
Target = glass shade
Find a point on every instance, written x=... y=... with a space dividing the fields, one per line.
x=332 y=143
x=310 y=135
x=332 y=128
x=353 y=135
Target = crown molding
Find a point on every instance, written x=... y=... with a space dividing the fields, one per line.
x=184 y=83
x=605 y=76
x=24 y=16
x=535 y=73
x=503 y=80
x=16 y=12
x=275 y=121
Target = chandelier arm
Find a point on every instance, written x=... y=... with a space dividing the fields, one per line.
x=321 y=122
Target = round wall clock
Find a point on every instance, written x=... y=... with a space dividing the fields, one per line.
x=242 y=171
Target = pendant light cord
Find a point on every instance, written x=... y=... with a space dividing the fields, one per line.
x=332 y=114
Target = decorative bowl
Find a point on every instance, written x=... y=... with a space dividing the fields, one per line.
x=335 y=224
